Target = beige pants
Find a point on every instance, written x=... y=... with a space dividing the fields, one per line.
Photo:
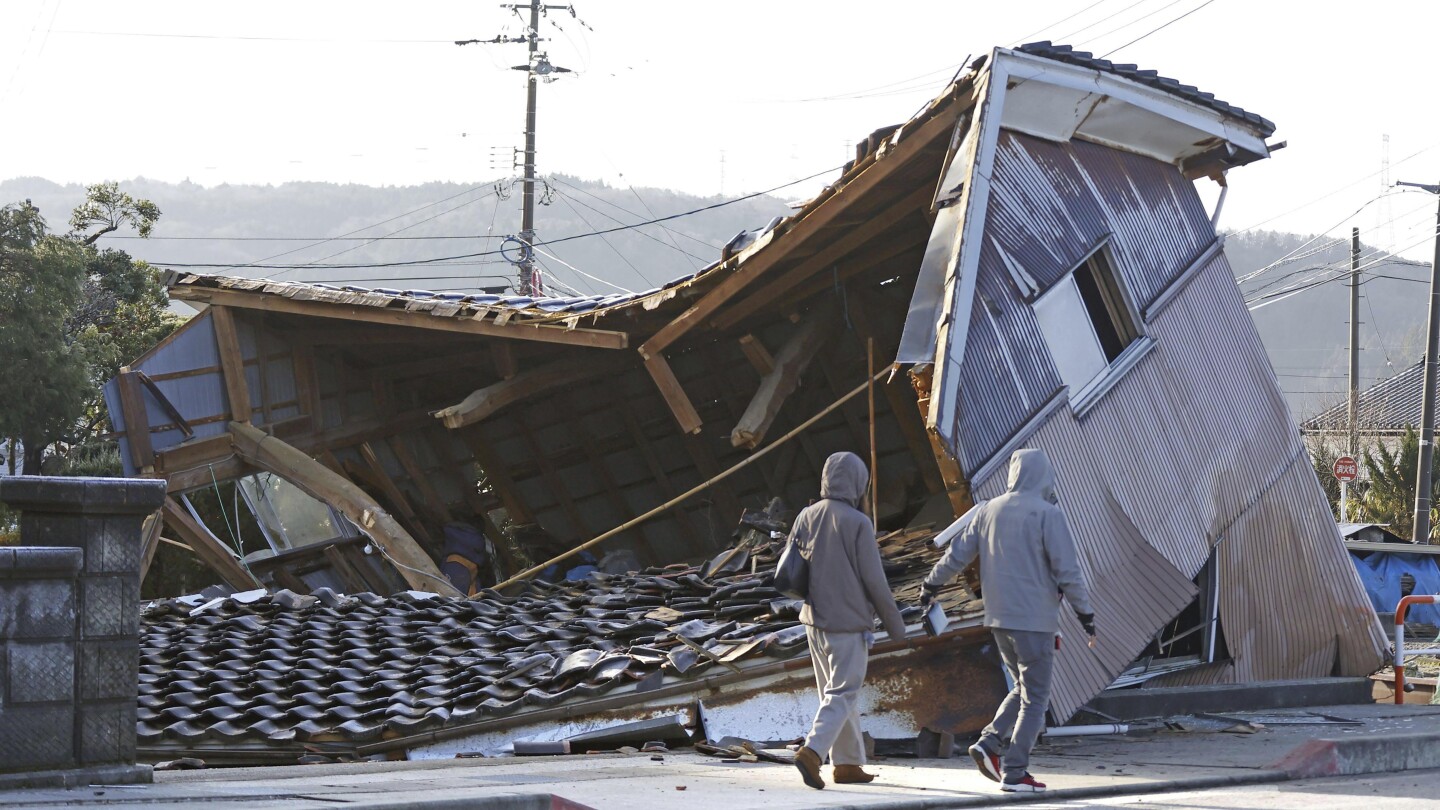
x=840 y=660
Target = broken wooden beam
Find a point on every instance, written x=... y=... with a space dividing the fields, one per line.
x=207 y=546
x=273 y=455
x=680 y=405
x=487 y=401
x=782 y=380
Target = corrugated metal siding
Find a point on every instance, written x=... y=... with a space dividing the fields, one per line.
x=1050 y=205
x=1196 y=446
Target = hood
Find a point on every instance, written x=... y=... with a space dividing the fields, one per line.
x=844 y=479
x=1030 y=473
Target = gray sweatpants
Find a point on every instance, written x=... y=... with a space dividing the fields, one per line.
x=840 y=660
x=1029 y=658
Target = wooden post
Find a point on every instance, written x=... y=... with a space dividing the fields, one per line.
x=207 y=546
x=273 y=455
x=232 y=363
x=137 y=420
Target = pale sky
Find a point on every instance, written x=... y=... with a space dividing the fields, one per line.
x=705 y=97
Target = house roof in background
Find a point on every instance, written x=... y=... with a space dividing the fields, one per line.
x=1390 y=406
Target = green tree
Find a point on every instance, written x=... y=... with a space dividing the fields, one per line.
x=1389 y=493
x=70 y=315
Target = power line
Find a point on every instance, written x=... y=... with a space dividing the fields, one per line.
x=414 y=262
x=1026 y=38
x=1157 y=29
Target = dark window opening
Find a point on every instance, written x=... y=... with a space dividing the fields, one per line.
x=1196 y=631
x=1100 y=291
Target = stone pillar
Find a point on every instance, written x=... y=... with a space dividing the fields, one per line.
x=69 y=621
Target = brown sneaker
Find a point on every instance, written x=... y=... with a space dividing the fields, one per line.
x=852 y=775
x=808 y=763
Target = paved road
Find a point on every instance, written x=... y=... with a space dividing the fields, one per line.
x=1408 y=789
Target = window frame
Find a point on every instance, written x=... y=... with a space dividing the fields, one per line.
x=1125 y=318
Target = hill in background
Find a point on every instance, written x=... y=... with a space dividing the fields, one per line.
x=291 y=227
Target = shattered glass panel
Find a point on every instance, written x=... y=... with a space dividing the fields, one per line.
x=289 y=517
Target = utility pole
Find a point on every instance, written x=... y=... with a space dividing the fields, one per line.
x=537 y=68
x=1427 y=396
x=1354 y=344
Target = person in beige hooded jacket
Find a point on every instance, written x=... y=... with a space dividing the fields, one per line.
x=847 y=589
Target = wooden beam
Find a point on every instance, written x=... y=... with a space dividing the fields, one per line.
x=680 y=404
x=812 y=224
x=207 y=546
x=497 y=475
x=652 y=460
x=757 y=354
x=553 y=482
x=908 y=206
x=271 y=454
x=392 y=492
x=192 y=454
x=503 y=356
x=203 y=475
x=137 y=421
x=776 y=386
x=732 y=395
x=434 y=504
x=307 y=385
x=149 y=542
x=511 y=329
x=485 y=402
x=602 y=471
x=898 y=393
x=232 y=363
x=957 y=487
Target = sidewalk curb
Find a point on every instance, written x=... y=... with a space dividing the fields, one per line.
x=1352 y=756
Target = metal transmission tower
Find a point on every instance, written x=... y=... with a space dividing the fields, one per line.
x=537 y=69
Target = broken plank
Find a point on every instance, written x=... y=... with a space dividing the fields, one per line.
x=274 y=455
x=776 y=386
x=680 y=405
x=392 y=491
x=512 y=329
x=487 y=401
x=757 y=354
x=149 y=542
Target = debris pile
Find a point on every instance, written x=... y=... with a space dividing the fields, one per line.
x=283 y=670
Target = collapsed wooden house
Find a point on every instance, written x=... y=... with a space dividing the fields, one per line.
x=1029 y=253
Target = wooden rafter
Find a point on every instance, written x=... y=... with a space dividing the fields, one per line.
x=553 y=481
x=392 y=491
x=149 y=542
x=776 y=386
x=206 y=546
x=838 y=252
x=498 y=475
x=675 y=398
x=652 y=459
x=602 y=471
x=511 y=329
x=433 y=504
x=813 y=224
x=487 y=401
x=274 y=455
x=232 y=363
x=760 y=358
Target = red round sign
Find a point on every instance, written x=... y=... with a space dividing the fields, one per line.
x=1346 y=469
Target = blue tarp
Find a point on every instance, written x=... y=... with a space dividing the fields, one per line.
x=1381 y=571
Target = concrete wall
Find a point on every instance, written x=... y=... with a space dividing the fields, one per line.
x=69 y=625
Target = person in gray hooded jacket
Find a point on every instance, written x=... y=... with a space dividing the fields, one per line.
x=1027 y=560
x=847 y=589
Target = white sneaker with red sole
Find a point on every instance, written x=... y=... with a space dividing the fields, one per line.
x=988 y=763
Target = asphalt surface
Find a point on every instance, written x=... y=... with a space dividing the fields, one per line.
x=1195 y=754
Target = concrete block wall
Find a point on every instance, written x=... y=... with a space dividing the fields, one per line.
x=69 y=622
